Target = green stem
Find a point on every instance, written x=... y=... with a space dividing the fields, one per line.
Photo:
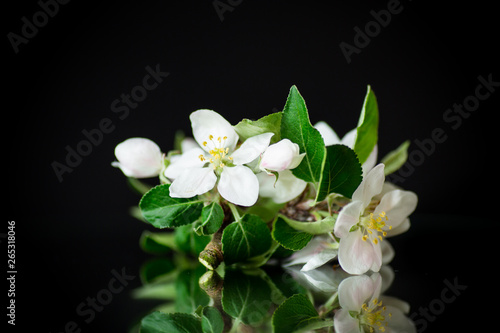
x=235 y=212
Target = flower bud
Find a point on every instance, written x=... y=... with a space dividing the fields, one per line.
x=138 y=158
x=283 y=155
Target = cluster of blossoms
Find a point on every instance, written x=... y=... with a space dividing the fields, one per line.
x=281 y=187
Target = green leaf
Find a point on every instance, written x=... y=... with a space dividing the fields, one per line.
x=188 y=241
x=245 y=297
x=314 y=228
x=212 y=217
x=189 y=293
x=396 y=158
x=289 y=237
x=367 y=130
x=162 y=211
x=296 y=314
x=342 y=172
x=211 y=320
x=270 y=123
x=296 y=127
x=245 y=239
x=158 y=322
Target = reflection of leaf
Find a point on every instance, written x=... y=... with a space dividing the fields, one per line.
x=296 y=314
x=162 y=211
x=158 y=322
x=245 y=239
x=211 y=320
x=189 y=293
x=157 y=242
x=156 y=268
x=245 y=297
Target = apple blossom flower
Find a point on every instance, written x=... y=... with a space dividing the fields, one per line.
x=364 y=310
x=331 y=138
x=372 y=215
x=138 y=158
x=217 y=161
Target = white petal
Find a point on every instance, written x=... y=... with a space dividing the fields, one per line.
x=139 y=158
x=328 y=134
x=187 y=144
x=281 y=156
x=355 y=255
x=370 y=161
x=192 y=182
x=350 y=138
x=398 y=205
x=354 y=291
x=348 y=217
x=190 y=159
x=285 y=189
x=307 y=253
x=207 y=122
x=371 y=185
x=251 y=148
x=320 y=259
x=344 y=323
x=239 y=185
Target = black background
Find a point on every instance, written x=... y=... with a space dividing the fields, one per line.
x=70 y=235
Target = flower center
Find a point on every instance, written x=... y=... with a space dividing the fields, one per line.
x=373 y=317
x=373 y=227
x=218 y=152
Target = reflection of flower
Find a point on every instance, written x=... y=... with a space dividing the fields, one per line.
x=363 y=223
x=138 y=158
x=217 y=161
x=364 y=310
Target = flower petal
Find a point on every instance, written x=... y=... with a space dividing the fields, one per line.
x=239 y=185
x=285 y=189
x=207 y=122
x=191 y=182
x=344 y=323
x=398 y=205
x=354 y=291
x=251 y=148
x=371 y=185
x=348 y=217
x=190 y=159
x=328 y=134
x=139 y=158
x=355 y=255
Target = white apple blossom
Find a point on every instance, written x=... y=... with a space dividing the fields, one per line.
x=286 y=188
x=372 y=215
x=364 y=310
x=217 y=162
x=138 y=158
